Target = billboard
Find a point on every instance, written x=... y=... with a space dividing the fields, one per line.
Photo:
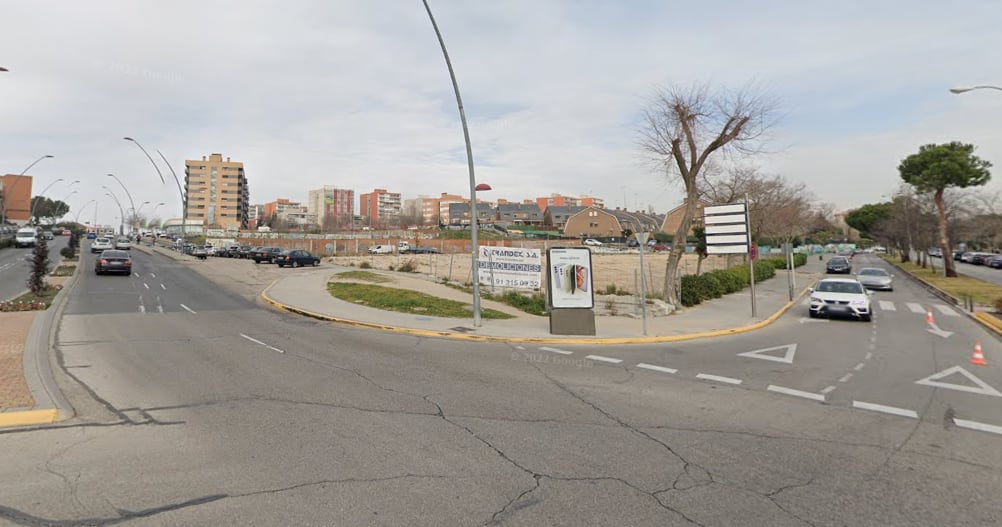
x=510 y=267
x=569 y=277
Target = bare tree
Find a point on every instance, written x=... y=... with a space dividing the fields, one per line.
x=683 y=128
x=778 y=209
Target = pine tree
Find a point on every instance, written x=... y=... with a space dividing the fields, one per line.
x=40 y=266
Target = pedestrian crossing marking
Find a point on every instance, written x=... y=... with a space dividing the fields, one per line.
x=946 y=310
x=915 y=308
x=887 y=305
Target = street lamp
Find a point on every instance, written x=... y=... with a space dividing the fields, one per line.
x=76 y=219
x=6 y=191
x=152 y=214
x=33 y=205
x=121 y=228
x=469 y=160
x=133 y=203
x=963 y=89
x=184 y=197
x=148 y=157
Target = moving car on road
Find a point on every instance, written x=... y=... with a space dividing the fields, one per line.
x=296 y=258
x=113 y=261
x=843 y=297
x=100 y=245
x=26 y=237
x=123 y=244
x=838 y=265
x=876 y=278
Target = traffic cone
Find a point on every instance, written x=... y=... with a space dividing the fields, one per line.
x=979 y=358
x=928 y=317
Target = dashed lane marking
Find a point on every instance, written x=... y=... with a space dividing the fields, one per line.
x=845 y=378
x=652 y=367
x=796 y=393
x=604 y=359
x=885 y=409
x=256 y=341
x=163 y=287
x=147 y=286
x=718 y=378
x=859 y=366
x=153 y=275
x=915 y=308
x=555 y=350
x=188 y=309
x=869 y=355
x=887 y=305
x=946 y=310
x=828 y=389
x=142 y=307
x=974 y=425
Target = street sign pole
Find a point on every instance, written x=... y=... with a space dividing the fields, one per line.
x=752 y=255
x=642 y=238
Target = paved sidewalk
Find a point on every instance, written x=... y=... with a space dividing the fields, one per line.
x=304 y=291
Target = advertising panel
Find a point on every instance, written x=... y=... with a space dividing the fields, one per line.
x=569 y=277
x=510 y=267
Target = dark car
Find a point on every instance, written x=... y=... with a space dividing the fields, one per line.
x=91 y=235
x=244 y=251
x=982 y=258
x=995 y=263
x=265 y=254
x=957 y=255
x=296 y=258
x=838 y=265
x=113 y=261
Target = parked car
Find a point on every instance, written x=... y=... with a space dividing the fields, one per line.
x=661 y=247
x=244 y=251
x=982 y=258
x=99 y=245
x=957 y=255
x=198 y=251
x=48 y=235
x=123 y=243
x=381 y=249
x=265 y=254
x=113 y=261
x=296 y=258
x=422 y=249
x=935 y=252
x=995 y=263
x=876 y=278
x=592 y=242
x=838 y=265
x=843 y=297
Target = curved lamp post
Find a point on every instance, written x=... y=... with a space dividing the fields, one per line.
x=473 y=181
x=39 y=195
x=121 y=212
x=964 y=89
x=184 y=197
x=148 y=157
x=132 y=203
x=76 y=219
x=3 y=202
x=152 y=214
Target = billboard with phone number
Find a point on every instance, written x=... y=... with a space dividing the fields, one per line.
x=569 y=277
x=510 y=267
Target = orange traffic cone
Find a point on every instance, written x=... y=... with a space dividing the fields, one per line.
x=928 y=317
x=979 y=358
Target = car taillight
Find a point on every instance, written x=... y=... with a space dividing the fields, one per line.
x=128 y=262
x=104 y=262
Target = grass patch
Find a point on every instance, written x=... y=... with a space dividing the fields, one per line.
x=534 y=304
x=64 y=270
x=405 y=301
x=983 y=293
x=365 y=276
x=31 y=301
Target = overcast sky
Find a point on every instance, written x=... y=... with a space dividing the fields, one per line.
x=356 y=94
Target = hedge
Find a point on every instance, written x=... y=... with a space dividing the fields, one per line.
x=714 y=284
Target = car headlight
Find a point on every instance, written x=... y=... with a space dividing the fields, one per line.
x=859 y=302
x=816 y=300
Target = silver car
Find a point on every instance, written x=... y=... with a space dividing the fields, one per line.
x=876 y=278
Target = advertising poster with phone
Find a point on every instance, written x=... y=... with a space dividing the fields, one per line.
x=569 y=278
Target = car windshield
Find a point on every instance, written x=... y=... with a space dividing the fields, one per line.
x=839 y=260
x=840 y=287
x=873 y=272
x=114 y=254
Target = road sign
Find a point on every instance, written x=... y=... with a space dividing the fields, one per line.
x=726 y=229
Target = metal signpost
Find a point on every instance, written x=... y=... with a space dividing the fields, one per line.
x=726 y=228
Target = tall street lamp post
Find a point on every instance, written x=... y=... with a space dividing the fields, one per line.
x=76 y=219
x=40 y=194
x=121 y=212
x=6 y=191
x=469 y=160
x=184 y=198
x=964 y=89
x=152 y=214
x=132 y=203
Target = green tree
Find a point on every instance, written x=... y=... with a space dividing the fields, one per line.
x=868 y=218
x=40 y=266
x=937 y=167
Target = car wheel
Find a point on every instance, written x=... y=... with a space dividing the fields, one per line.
x=315 y=263
x=865 y=318
x=812 y=314
x=295 y=264
x=97 y=272
x=257 y=261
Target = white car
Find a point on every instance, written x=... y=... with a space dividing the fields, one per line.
x=101 y=244
x=593 y=242
x=381 y=249
x=123 y=244
x=844 y=297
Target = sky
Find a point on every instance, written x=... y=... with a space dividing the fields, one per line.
x=356 y=94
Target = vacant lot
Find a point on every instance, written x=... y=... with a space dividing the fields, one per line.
x=619 y=269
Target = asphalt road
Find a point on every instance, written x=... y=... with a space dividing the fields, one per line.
x=216 y=411
x=14 y=270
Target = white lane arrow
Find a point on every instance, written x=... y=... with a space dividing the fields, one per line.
x=805 y=320
x=936 y=331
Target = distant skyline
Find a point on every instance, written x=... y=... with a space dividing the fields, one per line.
x=356 y=94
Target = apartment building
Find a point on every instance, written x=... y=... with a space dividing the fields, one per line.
x=332 y=207
x=380 y=206
x=15 y=198
x=559 y=200
x=217 y=191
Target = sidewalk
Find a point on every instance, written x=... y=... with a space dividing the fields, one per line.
x=304 y=292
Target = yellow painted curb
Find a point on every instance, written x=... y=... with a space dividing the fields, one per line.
x=538 y=340
x=30 y=417
x=992 y=323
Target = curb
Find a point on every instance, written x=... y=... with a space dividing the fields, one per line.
x=538 y=340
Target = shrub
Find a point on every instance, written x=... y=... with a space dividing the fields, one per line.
x=998 y=304
x=610 y=289
x=67 y=252
x=364 y=265
x=410 y=266
x=534 y=304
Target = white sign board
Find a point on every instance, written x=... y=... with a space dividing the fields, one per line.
x=726 y=229
x=570 y=279
x=510 y=267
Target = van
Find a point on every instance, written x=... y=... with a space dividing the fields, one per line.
x=381 y=249
x=26 y=237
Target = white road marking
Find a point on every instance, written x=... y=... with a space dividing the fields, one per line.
x=256 y=341
x=708 y=377
x=872 y=346
x=887 y=305
x=147 y=286
x=555 y=350
x=845 y=378
x=796 y=393
x=974 y=425
x=983 y=387
x=828 y=390
x=142 y=308
x=946 y=310
x=604 y=359
x=163 y=287
x=869 y=355
x=160 y=306
x=789 y=350
x=886 y=409
x=153 y=275
x=188 y=309
x=520 y=347
x=652 y=367
x=859 y=366
x=915 y=308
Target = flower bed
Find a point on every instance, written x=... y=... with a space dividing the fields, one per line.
x=31 y=301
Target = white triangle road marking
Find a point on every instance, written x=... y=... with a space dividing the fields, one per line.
x=915 y=308
x=983 y=387
x=887 y=305
x=946 y=310
x=788 y=351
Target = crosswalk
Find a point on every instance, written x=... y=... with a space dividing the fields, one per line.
x=914 y=307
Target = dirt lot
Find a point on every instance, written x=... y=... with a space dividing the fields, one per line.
x=621 y=269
